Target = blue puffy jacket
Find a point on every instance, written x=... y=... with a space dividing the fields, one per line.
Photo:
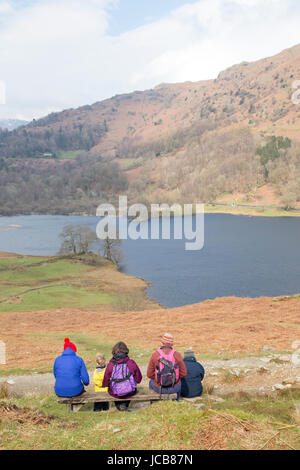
x=191 y=384
x=70 y=373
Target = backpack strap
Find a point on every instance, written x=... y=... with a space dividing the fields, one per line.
x=163 y=354
x=172 y=354
x=124 y=378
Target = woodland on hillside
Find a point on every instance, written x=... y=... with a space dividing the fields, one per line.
x=196 y=164
x=38 y=138
x=215 y=162
x=54 y=187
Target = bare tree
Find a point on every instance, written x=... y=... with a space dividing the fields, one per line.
x=289 y=200
x=111 y=250
x=77 y=239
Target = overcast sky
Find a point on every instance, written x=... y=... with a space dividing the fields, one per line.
x=57 y=54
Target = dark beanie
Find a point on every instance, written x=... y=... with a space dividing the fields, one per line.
x=189 y=353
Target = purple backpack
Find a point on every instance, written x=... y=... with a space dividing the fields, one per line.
x=122 y=381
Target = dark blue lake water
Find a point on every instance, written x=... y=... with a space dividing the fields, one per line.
x=242 y=256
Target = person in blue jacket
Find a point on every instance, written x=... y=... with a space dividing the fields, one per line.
x=191 y=384
x=70 y=372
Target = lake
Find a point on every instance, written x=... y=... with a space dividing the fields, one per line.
x=242 y=256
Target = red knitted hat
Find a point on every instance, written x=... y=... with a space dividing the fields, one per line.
x=70 y=345
x=167 y=340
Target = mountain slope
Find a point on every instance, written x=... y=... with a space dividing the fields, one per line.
x=256 y=94
x=194 y=140
x=259 y=92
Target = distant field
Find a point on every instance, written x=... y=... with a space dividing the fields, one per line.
x=48 y=297
x=265 y=212
x=13 y=261
x=31 y=283
x=88 y=346
x=37 y=283
x=68 y=154
x=49 y=271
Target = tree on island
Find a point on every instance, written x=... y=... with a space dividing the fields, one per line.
x=77 y=240
x=111 y=250
x=81 y=239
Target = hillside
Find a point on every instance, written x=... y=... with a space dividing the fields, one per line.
x=193 y=140
x=54 y=294
x=251 y=385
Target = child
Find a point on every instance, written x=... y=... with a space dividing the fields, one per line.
x=98 y=379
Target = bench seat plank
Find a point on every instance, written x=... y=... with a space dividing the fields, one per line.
x=92 y=397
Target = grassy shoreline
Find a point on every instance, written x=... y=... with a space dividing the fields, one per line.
x=230 y=210
x=253 y=212
x=209 y=208
x=31 y=283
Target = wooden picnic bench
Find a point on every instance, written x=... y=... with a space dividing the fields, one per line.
x=75 y=403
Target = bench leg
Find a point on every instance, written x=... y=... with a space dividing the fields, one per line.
x=74 y=408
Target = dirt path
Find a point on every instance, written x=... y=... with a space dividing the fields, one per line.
x=252 y=375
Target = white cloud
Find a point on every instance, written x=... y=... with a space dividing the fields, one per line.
x=56 y=54
x=5 y=7
x=215 y=34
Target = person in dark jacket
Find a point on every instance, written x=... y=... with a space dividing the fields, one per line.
x=120 y=353
x=70 y=372
x=191 y=384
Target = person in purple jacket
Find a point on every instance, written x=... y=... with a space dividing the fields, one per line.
x=121 y=376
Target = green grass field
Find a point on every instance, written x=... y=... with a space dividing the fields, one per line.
x=89 y=346
x=56 y=296
x=267 y=212
x=38 y=422
x=49 y=271
x=20 y=261
x=31 y=283
x=68 y=154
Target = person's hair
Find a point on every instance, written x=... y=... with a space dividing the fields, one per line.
x=100 y=359
x=120 y=347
